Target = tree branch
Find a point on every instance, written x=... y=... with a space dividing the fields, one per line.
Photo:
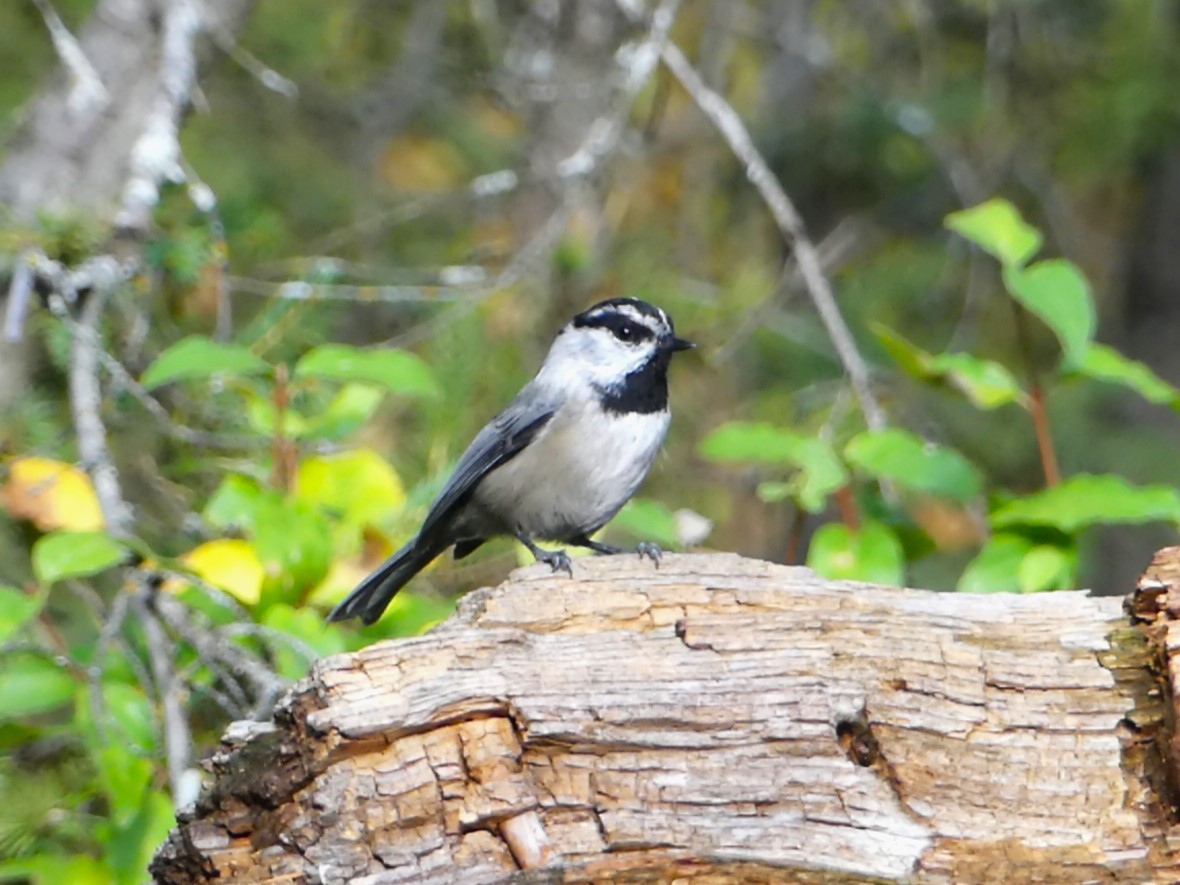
x=790 y=224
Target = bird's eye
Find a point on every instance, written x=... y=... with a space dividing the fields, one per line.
x=625 y=332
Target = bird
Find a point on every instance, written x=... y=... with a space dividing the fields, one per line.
x=560 y=460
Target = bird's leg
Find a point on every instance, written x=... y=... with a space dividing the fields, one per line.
x=644 y=548
x=558 y=560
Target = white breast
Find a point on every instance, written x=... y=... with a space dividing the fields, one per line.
x=577 y=474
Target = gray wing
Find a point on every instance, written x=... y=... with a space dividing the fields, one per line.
x=501 y=440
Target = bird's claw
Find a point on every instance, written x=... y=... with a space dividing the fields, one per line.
x=558 y=560
x=649 y=550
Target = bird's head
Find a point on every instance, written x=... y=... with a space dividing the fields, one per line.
x=614 y=339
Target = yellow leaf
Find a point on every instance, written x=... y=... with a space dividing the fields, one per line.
x=230 y=564
x=358 y=484
x=417 y=164
x=52 y=495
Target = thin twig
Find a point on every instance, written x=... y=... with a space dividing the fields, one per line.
x=790 y=225
x=1036 y=401
x=177 y=737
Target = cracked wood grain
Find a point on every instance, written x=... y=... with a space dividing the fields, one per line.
x=716 y=720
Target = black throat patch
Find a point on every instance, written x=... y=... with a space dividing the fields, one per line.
x=640 y=392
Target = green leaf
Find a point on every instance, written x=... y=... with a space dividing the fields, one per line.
x=358 y=484
x=263 y=417
x=132 y=713
x=986 y=383
x=294 y=543
x=1057 y=292
x=17 y=609
x=821 y=472
x=395 y=370
x=1045 y=567
x=235 y=503
x=32 y=684
x=61 y=555
x=910 y=358
x=412 y=613
x=997 y=228
x=1085 y=500
x=129 y=848
x=350 y=409
x=913 y=463
x=649 y=520
x=125 y=778
x=996 y=568
x=1103 y=363
x=197 y=357
x=871 y=554
x=53 y=869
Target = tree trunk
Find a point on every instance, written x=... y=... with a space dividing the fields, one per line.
x=716 y=720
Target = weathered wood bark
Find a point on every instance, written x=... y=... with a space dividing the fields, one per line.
x=717 y=720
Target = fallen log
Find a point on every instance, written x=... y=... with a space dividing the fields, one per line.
x=717 y=720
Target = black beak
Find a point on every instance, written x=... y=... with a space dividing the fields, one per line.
x=679 y=344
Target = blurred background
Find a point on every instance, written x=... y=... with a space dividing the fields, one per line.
x=455 y=178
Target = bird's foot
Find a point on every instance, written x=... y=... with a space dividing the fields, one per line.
x=650 y=551
x=558 y=560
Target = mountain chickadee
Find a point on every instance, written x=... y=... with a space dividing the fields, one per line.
x=561 y=460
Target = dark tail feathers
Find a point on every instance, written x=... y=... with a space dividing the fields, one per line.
x=373 y=594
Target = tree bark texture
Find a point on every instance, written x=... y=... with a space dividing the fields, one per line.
x=717 y=719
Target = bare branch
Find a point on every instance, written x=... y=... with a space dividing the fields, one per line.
x=20 y=288
x=177 y=738
x=636 y=63
x=86 y=405
x=156 y=157
x=87 y=92
x=790 y=224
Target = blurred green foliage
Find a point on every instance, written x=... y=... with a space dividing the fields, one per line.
x=368 y=338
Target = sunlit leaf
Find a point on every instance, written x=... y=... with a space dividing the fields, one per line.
x=52 y=495
x=235 y=503
x=1057 y=293
x=231 y=564
x=17 y=609
x=294 y=543
x=1103 y=363
x=349 y=410
x=1045 y=567
x=358 y=484
x=873 y=553
x=32 y=684
x=198 y=357
x=821 y=472
x=986 y=383
x=53 y=869
x=997 y=228
x=263 y=417
x=1086 y=500
x=395 y=370
x=996 y=568
x=63 y=555
x=911 y=462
